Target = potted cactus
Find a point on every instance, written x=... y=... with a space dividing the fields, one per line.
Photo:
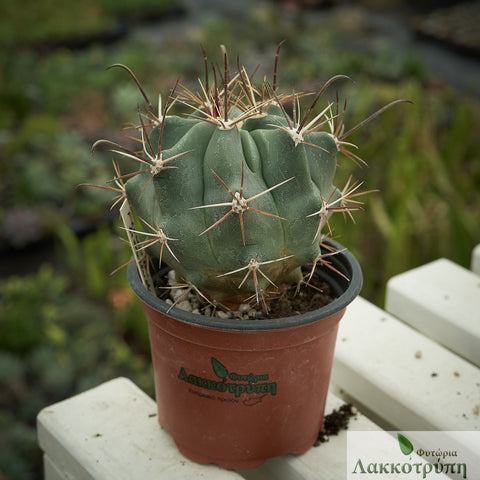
x=234 y=195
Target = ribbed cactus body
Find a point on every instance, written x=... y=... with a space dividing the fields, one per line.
x=235 y=193
x=251 y=157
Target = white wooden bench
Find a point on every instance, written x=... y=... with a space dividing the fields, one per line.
x=414 y=366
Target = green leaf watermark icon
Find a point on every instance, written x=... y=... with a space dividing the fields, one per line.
x=219 y=369
x=405 y=444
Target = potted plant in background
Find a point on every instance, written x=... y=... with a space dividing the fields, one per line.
x=233 y=196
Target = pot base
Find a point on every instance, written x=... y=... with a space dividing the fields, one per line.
x=235 y=463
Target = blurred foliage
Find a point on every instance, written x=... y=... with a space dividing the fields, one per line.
x=56 y=341
x=28 y=309
x=424 y=159
x=38 y=22
x=71 y=325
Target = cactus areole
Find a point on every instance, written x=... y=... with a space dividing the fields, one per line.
x=234 y=193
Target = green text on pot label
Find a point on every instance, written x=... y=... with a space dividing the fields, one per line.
x=251 y=388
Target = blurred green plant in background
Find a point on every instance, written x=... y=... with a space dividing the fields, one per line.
x=69 y=325
x=60 y=336
x=68 y=21
x=428 y=198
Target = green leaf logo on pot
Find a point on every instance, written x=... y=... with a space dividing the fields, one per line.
x=405 y=444
x=219 y=369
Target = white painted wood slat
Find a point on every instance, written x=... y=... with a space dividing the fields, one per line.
x=442 y=300
x=111 y=432
x=407 y=379
x=52 y=472
x=475 y=262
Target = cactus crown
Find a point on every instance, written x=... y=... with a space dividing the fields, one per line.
x=235 y=194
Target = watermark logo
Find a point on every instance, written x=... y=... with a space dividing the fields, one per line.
x=413 y=455
x=405 y=444
x=248 y=389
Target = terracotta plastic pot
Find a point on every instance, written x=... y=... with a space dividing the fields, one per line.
x=236 y=393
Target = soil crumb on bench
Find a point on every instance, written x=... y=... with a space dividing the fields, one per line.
x=335 y=421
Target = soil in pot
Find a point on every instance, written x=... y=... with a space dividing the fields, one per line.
x=290 y=301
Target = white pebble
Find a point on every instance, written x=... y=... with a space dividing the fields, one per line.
x=176 y=293
x=172 y=278
x=244 y=308
x=184 y=305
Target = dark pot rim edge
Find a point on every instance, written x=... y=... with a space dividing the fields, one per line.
x=349 y=294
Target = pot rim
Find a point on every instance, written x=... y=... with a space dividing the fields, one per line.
x=346 y=292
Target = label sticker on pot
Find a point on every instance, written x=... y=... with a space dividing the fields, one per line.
x=249 y=389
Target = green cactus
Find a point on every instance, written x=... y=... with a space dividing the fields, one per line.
x=235 y=195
